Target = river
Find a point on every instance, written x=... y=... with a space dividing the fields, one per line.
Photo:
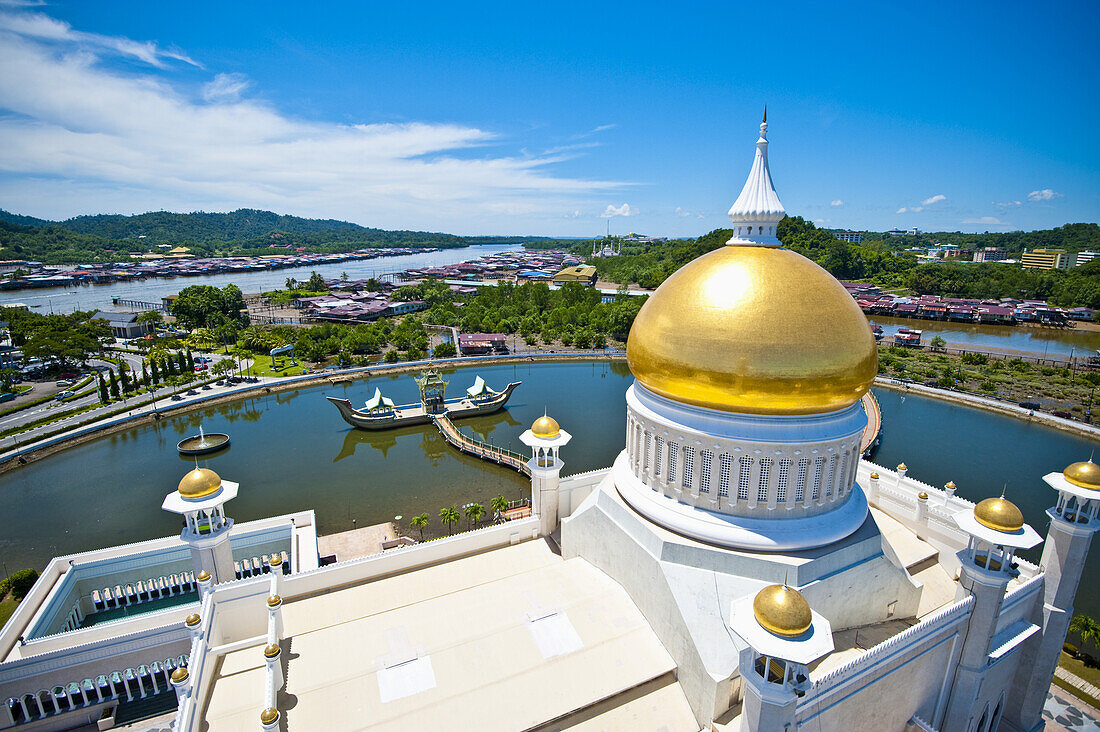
x=1049 y=341
x=291 y=451
x=98 y=297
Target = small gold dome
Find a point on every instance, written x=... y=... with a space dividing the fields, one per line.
x=271 y=651
x=874 y=476
x=269 y=715
x=192 y=620
x=274 y=601
x=902 y=466
x=950 y=485
x=923 y=496
x=753 y=329
x=180 y=674
x=202 y=576
x=545 y=427
x=782 y=610
x=199 y=483
x=275 y=561
x=999 y=514
x=1084 y=475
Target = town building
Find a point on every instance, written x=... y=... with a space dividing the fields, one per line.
x=124 y=325
x=852 y=237
x=584 y=274
x=1045 y=259
x=607 y=249
x=1085 y=257
x=739 y=566
x=478 y=344
x=990 y=254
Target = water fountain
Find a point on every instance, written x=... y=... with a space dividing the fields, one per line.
x=202 y=443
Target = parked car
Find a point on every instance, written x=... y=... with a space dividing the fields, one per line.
x=201 y=367
x=1030 y=405
x=65 y=382
x=1063 y=415
x=64 y=395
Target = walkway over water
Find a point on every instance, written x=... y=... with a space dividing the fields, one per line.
x=477 y=448
x=874 y=423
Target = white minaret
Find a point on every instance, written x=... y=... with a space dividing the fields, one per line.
x=544 y=438
x=784 y=636
x=758 y=209
x=1073 y=521
x=997 y=530
x=200 y=499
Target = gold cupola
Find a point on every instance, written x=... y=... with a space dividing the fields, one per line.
x=199 y=483
x=999 y=514
x=754 y=329
x=545 y=427
x=782 y=610
x=1083 y=475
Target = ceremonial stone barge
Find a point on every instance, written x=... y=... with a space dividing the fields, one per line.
x=380 y=413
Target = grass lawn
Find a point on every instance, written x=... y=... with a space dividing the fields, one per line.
x=1091 y=675
x=7 y=607
x=261 y=366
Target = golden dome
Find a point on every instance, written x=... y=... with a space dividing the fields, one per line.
x=545 y=427
x=271 y=651
x=999 y=514
x=179 y=674
x=950 y=485
x=1084 y=475
x=202 y=576
x=269 y=715
x=274 y=601
x=192 y=619
x=874 y=476
x=199 y=483
x=923 y=496
x=782 y=610
x=753 y=329
x=902 y=466
x=275 y=561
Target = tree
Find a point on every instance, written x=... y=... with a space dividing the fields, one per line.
x=204 y=306
x=499 y=504
x=391 y=357
x=420 y=522
x=937 y=343
x=123 y=379
x=65 y=338
x=445 y=350
x=1085 y=627
x=114 y=385
x=21 y=582
x=222 y=368
x=145 y=376
x=154 y=372
x=449 y=516
x=8 y=379
x=102 y=385
x=316 y=283
x=151 y=319
x=473 y=512
x=181 y=363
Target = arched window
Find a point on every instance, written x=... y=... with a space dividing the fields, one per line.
x=657 y=457
x=725 y=465
x=765 y=473
x=705 y=459
x=743 y=478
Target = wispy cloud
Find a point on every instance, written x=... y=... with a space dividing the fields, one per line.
x=910 y=209
x=836 y=203
x=1003 y=205
x=78 y=135
x=930 y=201
x=1045 y=194
x=934 y=199
x=986 y=221
x=624 y=210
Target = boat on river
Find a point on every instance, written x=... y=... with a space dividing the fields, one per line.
x=380 y=413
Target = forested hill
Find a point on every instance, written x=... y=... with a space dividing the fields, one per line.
x=111 y=237
x=1071 y=237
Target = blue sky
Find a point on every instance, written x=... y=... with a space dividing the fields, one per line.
x=524 y=118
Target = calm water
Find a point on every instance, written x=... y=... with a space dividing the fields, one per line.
x=98 y=297
x=292 y=451
x=1054 y=341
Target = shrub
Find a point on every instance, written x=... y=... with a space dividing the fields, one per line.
x=975 y=359
x=391 y=357
x=445 y=350
x=1070 y=649
x=21 y=582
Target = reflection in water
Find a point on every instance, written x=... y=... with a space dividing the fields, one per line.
x=382 y=440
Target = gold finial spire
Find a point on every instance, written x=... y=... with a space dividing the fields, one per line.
x=765 y=113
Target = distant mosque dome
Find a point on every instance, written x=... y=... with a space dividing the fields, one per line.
x=545 y=427
x=782 y=610
x=1084 y=475
x=199 y=483
x=999 y=514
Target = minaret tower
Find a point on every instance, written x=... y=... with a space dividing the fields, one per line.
x=784 y=636
x=997 y=530
x=1073 y=521
x=200 y=499
x=758 y=210
x=544 y=438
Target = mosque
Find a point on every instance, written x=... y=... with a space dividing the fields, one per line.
x=738 y=567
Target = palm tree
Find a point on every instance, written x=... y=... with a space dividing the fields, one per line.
x=419 y=522
x=473 y=512
x=499 y=505
x=1086 y=627
x=449 y=517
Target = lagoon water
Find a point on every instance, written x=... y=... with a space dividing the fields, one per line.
x=1054 y=342
x=291 y=451
x=98 y=297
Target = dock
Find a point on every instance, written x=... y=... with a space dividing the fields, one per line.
x=477 y=448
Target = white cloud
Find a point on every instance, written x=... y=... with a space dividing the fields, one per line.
x=682 y=212
x=624 y=210
x=1007 y=204
x=987 y=220
x=910 y=209
x=1044 y=195
x=79 y=137
x=576 y=214
x=934 y=199
x=225 y=88
x=837 y=202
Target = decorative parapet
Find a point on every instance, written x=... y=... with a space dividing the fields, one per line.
x=897 y=494
x=873 y=656
x=1024 y=590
